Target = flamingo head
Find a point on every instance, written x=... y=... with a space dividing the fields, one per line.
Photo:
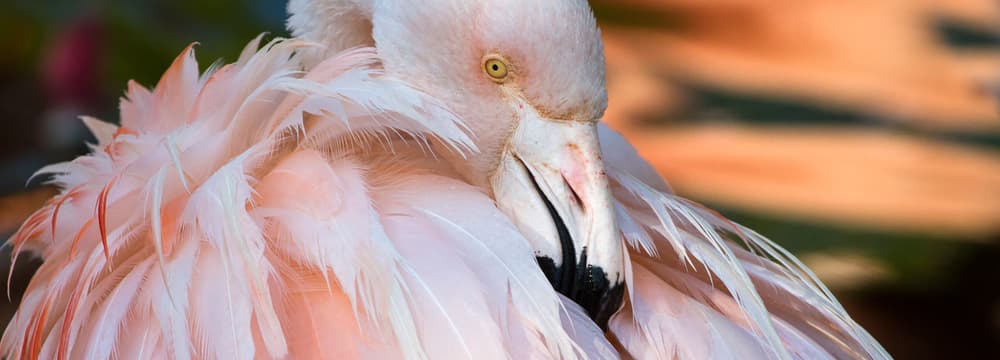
x=528 y=78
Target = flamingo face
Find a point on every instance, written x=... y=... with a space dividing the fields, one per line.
x=550 y=180
x=549 y=176
x=528 y=79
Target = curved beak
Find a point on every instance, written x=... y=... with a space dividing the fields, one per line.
x=551 y=182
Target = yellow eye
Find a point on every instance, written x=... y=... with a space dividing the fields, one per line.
x=496 y=69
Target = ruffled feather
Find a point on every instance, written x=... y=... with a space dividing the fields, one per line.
x=761 y=289
x=248 y=212
x=173 y=236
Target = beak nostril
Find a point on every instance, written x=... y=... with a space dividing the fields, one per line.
x=576 y=195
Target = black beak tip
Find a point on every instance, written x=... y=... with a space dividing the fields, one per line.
x=600 y=297
x=590 y=288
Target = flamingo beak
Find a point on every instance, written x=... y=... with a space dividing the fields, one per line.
x=552 y=184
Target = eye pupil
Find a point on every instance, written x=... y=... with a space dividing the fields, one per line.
x=496 y=69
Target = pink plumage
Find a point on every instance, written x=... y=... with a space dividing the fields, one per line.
x=313 y=200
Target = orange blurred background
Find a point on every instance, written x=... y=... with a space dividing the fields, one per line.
x=864 y=135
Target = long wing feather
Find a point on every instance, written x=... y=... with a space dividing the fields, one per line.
x=776 y=296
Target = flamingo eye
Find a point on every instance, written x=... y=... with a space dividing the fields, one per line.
x=496 y=68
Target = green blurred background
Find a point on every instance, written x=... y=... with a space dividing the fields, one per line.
x=862 y=135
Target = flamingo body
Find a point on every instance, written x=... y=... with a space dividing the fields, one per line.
x=311 y=202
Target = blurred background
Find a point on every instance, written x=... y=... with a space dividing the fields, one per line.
x=863 y=135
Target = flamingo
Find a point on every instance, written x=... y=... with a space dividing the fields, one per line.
x=418 y=180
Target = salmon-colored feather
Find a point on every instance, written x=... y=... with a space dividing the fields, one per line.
x=79 y=236
x=67 y=323
x=30 y=229
x=58 y=205
x=102 y=216
x=35 y=343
